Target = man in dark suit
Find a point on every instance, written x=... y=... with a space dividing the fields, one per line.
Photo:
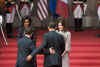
x=25 y=47
x=51 y=40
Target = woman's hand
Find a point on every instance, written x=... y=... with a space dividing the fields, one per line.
x=64 y=53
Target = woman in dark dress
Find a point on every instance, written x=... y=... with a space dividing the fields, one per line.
x=26 y=22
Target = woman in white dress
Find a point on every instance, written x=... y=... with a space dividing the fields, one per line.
x=67 y=36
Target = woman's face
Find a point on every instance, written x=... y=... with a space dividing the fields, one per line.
x=60 y=26
x=26 y=23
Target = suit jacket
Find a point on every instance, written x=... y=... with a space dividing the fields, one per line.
x=56 y=41
x=25 y=47
x=20 y=32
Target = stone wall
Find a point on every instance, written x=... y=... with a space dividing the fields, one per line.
x=91 y=20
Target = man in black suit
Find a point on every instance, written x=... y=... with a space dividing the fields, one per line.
x=53 y=43
x=25 y=47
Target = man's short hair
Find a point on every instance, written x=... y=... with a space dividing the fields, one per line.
x=28 y=30
x=52 y=25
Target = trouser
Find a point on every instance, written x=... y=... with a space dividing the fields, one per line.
x=78 y=24
x=9 y=29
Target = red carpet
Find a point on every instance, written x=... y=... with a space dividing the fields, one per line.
x=85 y=50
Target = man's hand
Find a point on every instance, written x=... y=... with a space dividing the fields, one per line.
x=29 y=58
x=52 y=51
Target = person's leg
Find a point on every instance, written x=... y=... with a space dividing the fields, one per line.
x=9 y=30
x=76 y=24
x=80 y=24
x=98 y=35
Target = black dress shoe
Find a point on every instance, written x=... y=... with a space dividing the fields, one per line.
x=98 y=35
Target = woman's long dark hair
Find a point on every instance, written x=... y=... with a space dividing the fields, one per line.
x=62 y=21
